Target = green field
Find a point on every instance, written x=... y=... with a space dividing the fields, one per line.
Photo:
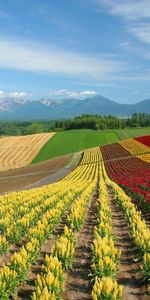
x=71 y=141
x=132 y=132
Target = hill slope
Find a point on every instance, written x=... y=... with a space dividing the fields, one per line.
x=71 y=141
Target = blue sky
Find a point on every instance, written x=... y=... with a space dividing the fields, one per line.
x=75 y=48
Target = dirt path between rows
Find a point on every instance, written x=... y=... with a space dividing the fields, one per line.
x=78 y=282
x=129 y=274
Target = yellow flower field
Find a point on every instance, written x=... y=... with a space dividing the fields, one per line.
x=136 y=148
x=73 y=239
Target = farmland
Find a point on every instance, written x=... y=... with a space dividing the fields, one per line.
x=76 y=140
x=73 y=141
x=20 y=178
x=132 y=132
x=132 y=172
x=83 y=237
x=19 y=151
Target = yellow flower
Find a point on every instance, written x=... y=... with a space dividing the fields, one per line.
x=120 y=291
x=39 y=281
x=50 y=278
x=34 y=296
x=66 y=230
x=45 y=294
x=94 y=296
x=107 y=285
x=148 y=289
x=107 y=260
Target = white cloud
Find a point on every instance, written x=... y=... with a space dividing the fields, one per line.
x=72 y=94
x=26 y=56
x=136 y=14
x=14 y=95
x=141 y=31
x=132 y=10
x=88 y=93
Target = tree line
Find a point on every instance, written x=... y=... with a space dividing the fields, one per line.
x=104 y=122
x=25 y=127
x=85 y=121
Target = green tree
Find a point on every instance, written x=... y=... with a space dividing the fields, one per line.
x=35 y=128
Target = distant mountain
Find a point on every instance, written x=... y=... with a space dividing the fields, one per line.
x=47 y=109
x=7 y=103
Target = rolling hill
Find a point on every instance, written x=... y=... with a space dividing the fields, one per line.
x=66 y=142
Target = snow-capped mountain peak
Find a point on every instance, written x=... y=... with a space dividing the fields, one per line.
x=6 y=103
x=47 y=102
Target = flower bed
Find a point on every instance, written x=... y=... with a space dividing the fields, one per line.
x=144 y=140
x=130 y=172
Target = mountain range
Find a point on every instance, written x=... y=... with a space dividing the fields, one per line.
x=47 y=109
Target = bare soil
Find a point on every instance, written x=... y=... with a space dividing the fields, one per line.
x=18 y=179
x=13 y=184
x=39 y=167
x=5 y=258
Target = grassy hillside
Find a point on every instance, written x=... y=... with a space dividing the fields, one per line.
x=132 y=132
x=74 y=140
x=71 y=141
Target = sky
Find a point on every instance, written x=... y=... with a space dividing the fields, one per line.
x=75 y=48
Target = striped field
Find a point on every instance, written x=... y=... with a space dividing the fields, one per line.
x=19 y=151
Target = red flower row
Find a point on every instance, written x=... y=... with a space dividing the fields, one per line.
x=144 y=140
x=130 y=172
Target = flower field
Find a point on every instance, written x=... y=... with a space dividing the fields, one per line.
x=137 y=148
x=144 y=140
x=82 y=237
x=132 y=173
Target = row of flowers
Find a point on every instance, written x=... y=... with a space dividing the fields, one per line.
x=12 y=233
x=91 y=156
x=136 y=148
x=18 y=214
x=144 y=140
x=14 y=225
x=12 y=275
x=105 y=255
x=51 y=282
x=138 y=229
x=131 y=173
x=23 y=259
